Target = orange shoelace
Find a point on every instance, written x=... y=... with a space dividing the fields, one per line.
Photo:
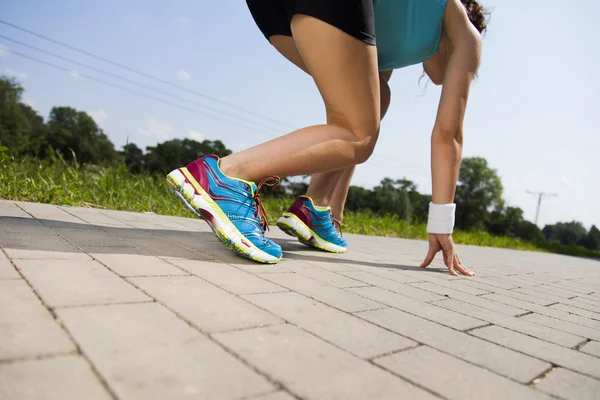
x=337 y=224
x=270 y=181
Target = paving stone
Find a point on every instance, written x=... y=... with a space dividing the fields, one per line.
x=206 y=306
x=280 y=395
x=566 y=385
x=313 y=369
x=424 y=310
x=548 y=311
x=577 y=311
x=322 y=275
x=592 y=348
x=537 y=297
x=455 y=379
x=29 y=254
x=27 y=329
x=50 y=212
x=7 y=270
x=504 y=361
x=558 y=355
x=74 y=283
x=137 y=265
x=10 y=209
x=394 y=286
x=553 y=291
x=469 y=298
x=344 y=330
x=64 y=378
x=144 y=351
x=335 y=297
x=584 y=305
x=39 y=241
x=587 y=299
x=548 y=332
x=229 y=278
x=564 y=326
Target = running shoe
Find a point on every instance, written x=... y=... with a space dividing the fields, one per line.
x=232 y=207
x=313 y=226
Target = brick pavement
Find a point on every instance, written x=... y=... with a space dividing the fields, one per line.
x=99 y=304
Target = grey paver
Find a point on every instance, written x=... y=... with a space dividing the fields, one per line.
x=206 y=306
x=314 y=369
x=564 y=326
x=424 y=310
x=228 y=277
x=340 y=280
x=454 y=378
x=469 y=298
x=522 y=325
x=344 y=330
x=577 y=311
x=279 y=395
x=558 y=355
x=566 y=385
x=504 y=361
x=7 y=270
x=27 y=329
x=29 y=254
x=137 y=265
x=74 y=283
x=64 y=377
x=592 y=348
x=145 y=352
x=393 y=286
x=548 y=311
x=338 y=298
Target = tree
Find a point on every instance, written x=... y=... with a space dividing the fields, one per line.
x=567 y=233
x=134 y=158
x=478 y=192
x=392 y=200
x=166 y=156
x=504 y=221
x=592 y=239
x=71 y=131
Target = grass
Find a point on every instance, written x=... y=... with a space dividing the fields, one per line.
x=56 y=182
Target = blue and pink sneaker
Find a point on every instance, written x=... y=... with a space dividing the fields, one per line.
x=231 y=207
x=313 y=226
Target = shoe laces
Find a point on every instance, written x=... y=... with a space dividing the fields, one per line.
x=270 y=181
x=338 y=225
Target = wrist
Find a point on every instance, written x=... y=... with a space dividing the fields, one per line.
x=441 y=218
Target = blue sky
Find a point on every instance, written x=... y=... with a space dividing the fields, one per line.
x=532 y=112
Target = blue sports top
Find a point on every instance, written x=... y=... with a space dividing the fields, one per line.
x=407 y=31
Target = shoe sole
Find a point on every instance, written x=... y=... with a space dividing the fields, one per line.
x=292 y=225
x=195 y=198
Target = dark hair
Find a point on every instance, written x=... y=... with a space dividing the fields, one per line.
x=476 y=14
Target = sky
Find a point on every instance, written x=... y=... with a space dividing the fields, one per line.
x=532 y=111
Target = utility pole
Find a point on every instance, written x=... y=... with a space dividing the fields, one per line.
x=540 y=195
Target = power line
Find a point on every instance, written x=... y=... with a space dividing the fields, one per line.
x=145 y=75
x=540 y=195
x=129 y=90
x=130 y=81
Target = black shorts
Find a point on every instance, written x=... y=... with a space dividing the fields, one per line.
x=355 y=17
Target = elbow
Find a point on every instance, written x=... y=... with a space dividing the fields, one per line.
x=448 y=136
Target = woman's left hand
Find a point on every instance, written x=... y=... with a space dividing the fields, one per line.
x=445 y=243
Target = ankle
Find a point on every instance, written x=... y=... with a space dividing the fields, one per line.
x=230 y=168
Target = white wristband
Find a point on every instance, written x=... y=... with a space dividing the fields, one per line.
x=441 y=218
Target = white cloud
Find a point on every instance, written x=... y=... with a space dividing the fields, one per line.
x=564 y=181
x=3 y=50
x=195 y=135
x=183 y=75
x=15 y=74
x=74 y=74
x=156 y=130
x=29 y=102
x=99 y=116
x=184 y=20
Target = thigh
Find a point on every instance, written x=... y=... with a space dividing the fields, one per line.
x=345 y=71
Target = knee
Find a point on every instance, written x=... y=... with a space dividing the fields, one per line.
x=365 y=148
x=365 y=130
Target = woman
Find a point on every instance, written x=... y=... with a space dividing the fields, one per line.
x=334 y=41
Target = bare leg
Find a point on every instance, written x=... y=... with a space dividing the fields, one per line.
x=345 y=71
x=339 y=181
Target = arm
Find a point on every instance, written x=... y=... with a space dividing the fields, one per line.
x=447 y=136
x=464 y=51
